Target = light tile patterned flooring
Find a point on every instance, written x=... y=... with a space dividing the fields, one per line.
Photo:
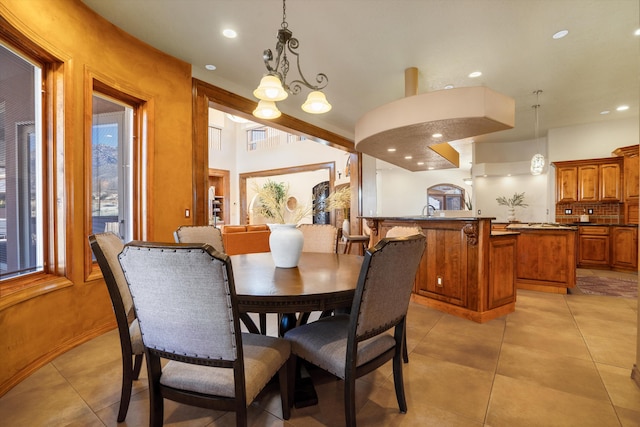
x=559 y=360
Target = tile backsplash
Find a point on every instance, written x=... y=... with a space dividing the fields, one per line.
x=603 y=213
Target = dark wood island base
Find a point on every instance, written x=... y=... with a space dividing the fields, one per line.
x=466 y=270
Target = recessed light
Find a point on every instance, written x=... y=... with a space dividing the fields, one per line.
x=605 y=112
x=408 y=157
x=560 y=34
x=475 y=74
x=637 y=32
x=391 y=150
x=622 y=108
x=420 y=163
x=229 y=33
x=448 y=87
x=437 y=135
x=430 y=168
x=210 y=67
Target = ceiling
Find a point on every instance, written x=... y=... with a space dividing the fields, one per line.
x=364 y=46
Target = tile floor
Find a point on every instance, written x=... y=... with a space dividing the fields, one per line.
x=559 y=360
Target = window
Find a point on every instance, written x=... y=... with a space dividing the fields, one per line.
x=111 y=179
x=21 y=166
x=446 y=197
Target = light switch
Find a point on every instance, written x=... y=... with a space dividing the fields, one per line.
x=187 y=213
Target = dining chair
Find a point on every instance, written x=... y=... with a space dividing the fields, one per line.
x=106 y=247
x=352 y=345
x=200 y=234
x=186 y=303
x=319 y=238
x=403 y=231
x=212 y=236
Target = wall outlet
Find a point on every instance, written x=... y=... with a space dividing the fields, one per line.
x=568 y=211
x=590 y=211
x=439 y=282
x=479 y=212
x=187 y=213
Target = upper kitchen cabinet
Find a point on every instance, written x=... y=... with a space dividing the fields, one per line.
x=594 y=180
x=631 y=186
x=566 y=184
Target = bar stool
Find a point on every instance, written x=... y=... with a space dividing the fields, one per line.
x=350 y=239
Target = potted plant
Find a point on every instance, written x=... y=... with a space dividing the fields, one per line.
x=277 y=205
x=517 y=200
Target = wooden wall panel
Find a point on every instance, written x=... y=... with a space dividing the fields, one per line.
x=36 y=328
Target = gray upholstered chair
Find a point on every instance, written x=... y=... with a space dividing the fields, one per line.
x=185 y=300
x=352 y=345
x=106 y=247
x=200 y=234
x=319 y=238
x=403 y=231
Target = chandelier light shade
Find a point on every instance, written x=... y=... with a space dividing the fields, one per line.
x=316 y=103
x=537 y=161
x=537 y=164
x=267 y=110
x=270 y=89
x=274 y=87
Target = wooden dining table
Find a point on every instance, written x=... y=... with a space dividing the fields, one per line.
x=320 y=282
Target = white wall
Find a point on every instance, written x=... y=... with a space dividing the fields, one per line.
x=400 y=192
x=404 y=193
x=235 y=158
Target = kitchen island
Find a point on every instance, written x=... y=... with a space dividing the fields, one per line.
x=466 y=270
x=546 y=257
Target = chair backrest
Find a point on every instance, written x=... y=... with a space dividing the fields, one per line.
x=384 y=286
x=200 y=234
x=106 y=247
x=185 y=300
x=403 y=231
x=319 y=238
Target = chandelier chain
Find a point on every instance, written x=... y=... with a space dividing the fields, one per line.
x=284 y=14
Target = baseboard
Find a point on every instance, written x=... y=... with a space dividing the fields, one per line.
x=25 y=372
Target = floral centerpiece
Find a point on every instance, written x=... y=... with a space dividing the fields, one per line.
x=277 y=205
x=517 y=200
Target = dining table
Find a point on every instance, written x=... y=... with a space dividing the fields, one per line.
x=320 y=282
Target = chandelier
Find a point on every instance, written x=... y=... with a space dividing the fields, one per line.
x=274 y=87
x=537 y=161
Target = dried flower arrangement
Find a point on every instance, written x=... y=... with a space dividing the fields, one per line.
x=277 y=204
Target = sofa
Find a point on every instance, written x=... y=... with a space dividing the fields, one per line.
x=244 y=239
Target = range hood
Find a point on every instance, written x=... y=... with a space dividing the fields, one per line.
x=408 y=125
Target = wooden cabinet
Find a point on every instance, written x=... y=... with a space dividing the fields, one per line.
x=566 y=184
x=593 y=246
x=594 y=180
x=546 y=260
x=610 y=182
x=624 y=248
x=631 y=183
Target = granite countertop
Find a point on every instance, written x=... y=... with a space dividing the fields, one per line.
x=541 y=226
x=601 y=225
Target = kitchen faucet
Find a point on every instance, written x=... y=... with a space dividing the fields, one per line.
x=430 y=210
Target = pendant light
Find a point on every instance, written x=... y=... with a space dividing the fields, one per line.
x=537 y=161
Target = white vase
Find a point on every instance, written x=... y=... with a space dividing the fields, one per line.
x=511 y=214
x=285 y=242
x=346 y=228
